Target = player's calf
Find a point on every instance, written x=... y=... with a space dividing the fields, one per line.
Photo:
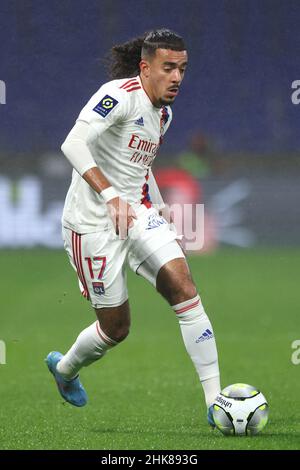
x=94 y=342
x=199 y=340
x=91 y=345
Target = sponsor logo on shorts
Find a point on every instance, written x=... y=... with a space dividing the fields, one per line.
x=155 y=221
x=98 y=288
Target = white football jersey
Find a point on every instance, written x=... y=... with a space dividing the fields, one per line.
x=127 y=133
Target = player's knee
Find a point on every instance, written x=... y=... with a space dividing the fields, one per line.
x=117 y=332
x=187 y=291
x=180 y=292
x=120 y=334
x=175 y=285
x=115 y=321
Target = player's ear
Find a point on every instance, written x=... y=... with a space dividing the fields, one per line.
x=145 y=68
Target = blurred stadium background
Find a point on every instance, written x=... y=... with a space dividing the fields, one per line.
x=235 y=146
x=235 y=127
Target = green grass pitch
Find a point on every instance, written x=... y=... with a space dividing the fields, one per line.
x=145 y=393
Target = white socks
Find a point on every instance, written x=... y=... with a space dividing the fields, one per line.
x=200 y=344
x=91 y=344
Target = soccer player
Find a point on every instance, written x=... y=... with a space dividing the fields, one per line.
x=111 y=215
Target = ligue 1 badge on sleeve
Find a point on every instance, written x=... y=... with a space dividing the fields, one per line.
x=98 y=288
x=105 y=106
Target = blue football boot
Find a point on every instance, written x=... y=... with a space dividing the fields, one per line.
x=71 y=390
x=210 y=417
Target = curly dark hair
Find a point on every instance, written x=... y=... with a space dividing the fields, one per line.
x=124 y=59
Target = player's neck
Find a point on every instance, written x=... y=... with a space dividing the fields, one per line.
x=149 y=92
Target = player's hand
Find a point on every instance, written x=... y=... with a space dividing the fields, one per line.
x=122 y=216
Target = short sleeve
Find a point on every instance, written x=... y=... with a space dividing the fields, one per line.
x=108 y=106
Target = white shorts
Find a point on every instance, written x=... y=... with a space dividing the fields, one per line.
x=100 y=258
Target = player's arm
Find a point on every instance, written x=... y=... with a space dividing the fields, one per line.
x=76 y=149
x=121 y=213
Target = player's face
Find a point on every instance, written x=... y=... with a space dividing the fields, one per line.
x=166 y=72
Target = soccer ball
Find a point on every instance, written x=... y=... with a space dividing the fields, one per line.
x=240 y=409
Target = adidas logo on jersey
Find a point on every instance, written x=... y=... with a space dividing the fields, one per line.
x=207 y=334
x=139 y=122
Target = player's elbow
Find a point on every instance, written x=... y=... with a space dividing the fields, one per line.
x=68 y=152
x=68 y=148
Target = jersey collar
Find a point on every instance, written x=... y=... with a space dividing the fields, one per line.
x=147 y=99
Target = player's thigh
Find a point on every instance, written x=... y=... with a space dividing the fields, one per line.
x=99 y=260
x=149 y=233
x=168 y=271
x=174 y=281
x=152 y=265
